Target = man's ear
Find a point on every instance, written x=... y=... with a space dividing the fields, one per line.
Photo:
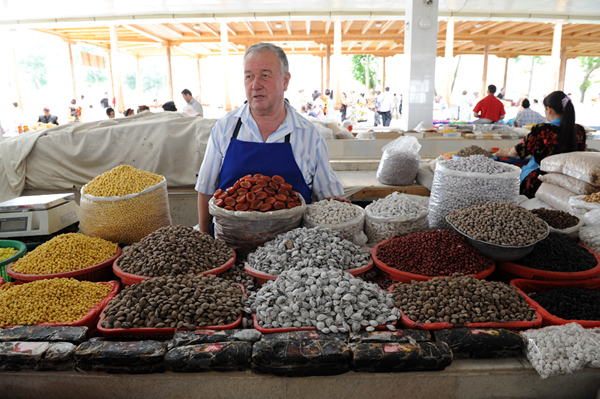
x=286 y=80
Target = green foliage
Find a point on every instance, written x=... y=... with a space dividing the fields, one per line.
x=95 y=76
x=358 y=69
x=153 y=79
x=130 y=81
x=589 y=65
x=34 y=66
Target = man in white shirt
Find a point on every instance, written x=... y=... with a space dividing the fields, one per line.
x=527 y=116
x=187 y=96
x=385 y=107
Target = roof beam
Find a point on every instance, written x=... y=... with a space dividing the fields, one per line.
x=394 y=45
x=327 y=26
x=380 y=45
x=347 y=27
x=307 y=27
x=365 y=45
x=189 y=52
x=463 y=26
x=231 y=30
x=288 y=26
x=485 y=26
x=351 y=45
x=169 y=28
x=144 y=33
x=210 y=28
x=190 y=28
x=501 y=27
x=269 y=28
x=385 y=27
x=536 y=29
x=402 y=26
x=367 y=26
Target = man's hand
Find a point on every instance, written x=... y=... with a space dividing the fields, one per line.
x=339 y=199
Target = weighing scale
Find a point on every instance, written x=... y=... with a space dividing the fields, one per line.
x=37 y=215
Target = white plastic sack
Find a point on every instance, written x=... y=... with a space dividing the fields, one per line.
x=581 y=165
x=590 y=237
x=400 y=162
x=352 y=230
x=570 y=183
x=558 y=198
x=380 y=228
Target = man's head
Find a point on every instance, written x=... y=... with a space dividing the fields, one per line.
x=525 y=103
x=266 y=78
x=106 y=95
x=47 y=111
x=16 y=105
x=503 y=90
x=187 y=95
x=387 y=89
x=110 y=112
x=491 y=89
x=82 y=97
x=535 y=101
x=169 y=106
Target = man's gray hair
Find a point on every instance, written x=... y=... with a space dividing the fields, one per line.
x=278 y=51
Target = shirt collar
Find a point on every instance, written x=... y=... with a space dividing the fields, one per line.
x=286 y=127
x=555 y=122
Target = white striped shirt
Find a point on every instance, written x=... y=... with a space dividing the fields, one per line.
x=310 y=151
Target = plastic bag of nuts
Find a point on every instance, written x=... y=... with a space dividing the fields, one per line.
x=111 y=207
x=462 y=182
x=396 y=215
x=347 y=219
x=400 y=162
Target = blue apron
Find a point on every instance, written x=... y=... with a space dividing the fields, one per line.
x=247 y=158
x=533 y=165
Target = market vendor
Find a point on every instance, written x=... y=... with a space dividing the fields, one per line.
x=47 y=117
x=267 y=136
x=561 y=135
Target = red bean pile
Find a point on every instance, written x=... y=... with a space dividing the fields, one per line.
x=432 y=253
x=258 y=193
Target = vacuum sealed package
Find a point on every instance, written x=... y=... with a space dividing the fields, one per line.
x=580 y=165
x=400 y=162
x=58 y=357
x=398 y=336
x=482 y=342
x=391 y=357
x=22 y=355
x=75 y=335
x=117 y=356
x=218 y=356
x=199 y=336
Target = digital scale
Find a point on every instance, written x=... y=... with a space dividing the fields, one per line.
x=37 y=215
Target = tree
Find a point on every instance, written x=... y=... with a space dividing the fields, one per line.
x=358 y=69
x=589 y=64
x=153 y=79
x=95 y=76
x=130 y=81
x=536 y=59
x=34 y=66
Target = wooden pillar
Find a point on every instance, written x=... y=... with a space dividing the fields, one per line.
x=556 y=52
x=225 y=58
x=383 y=77
x=13 y=41
x=169 y=72
x=139 y=80
x=328 y=76
x=199 y=79
x=337 y=55
x=322 y=74
x=116 y=68
x=73 y=80
x=112 y=80
x=505 y=72
x=449 y=59
x=367 y=77
x=562 y=71
x=486 y=53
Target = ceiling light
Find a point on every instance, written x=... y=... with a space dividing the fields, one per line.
x=477 y=25
x=378 y=25
x=278 y=25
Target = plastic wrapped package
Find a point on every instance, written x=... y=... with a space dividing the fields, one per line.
x=245 y=231
x=370 y=135
x=398 y=336
x=400 y=162
x=482 y=342
x=558 y=198
x=379 y=228
x=196 y=337
x=581 y=165
x=74 y=335
x=127 y=357
x=58 y=357
x=22 y=355
x=452 y=190
x=425 y=175
x=125 y=219
x=590 y=237
x=583 y=207
x=219 y=356
x=352 y=230
x=572 y=184
x=390 y=357
x=594 y=338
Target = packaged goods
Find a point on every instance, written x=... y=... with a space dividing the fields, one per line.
x=124 y=205
x=393 y=357
x=396 y=215
x=116 y=356
x=583 y=166
x=398 y=336
x=221 y=356
x=305 y=335
x=590 y=237
x=462 y=182
x=22 y=355
x=558 y=253
x=481 y=343
x=304 y=247
x=400 y=162
x=301 y=357
x=345 y=218
x=557 y=197
x=65 y=253
x=75 y=335
x=174 y=250
x=58 y=357
x=197 y=337
x=569 y=183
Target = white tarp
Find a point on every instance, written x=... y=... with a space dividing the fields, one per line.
x=167 y=143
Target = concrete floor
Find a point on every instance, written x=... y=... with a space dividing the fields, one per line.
x=499 y=378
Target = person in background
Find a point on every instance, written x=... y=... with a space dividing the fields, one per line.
x=155 y=104
x=502 y=94
x=74 y=111
x=558 y=136
x=265 y=136
x=489 y=109
x=104 y=101
x=169 y=106
x=344 y=107
x=527 y=115
x=128 y=112
x=47 y=117
x=312 y=110
x=319 y=106
x=142 y=108
x=110 y=113
x=395 y=103
x=384 y=108
x=187 y=96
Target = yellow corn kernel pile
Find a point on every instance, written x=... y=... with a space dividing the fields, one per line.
x=59 y=300
x=7 y=252
x=121 y=181
x=65 y=253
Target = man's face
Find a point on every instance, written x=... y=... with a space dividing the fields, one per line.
x=264 y=83
x=111 y=114
x=187 y=97
x=47 y=113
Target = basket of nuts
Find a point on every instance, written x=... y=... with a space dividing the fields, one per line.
x=67 y=255
x=10 y=251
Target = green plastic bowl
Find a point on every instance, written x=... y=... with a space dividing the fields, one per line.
x=20 y=247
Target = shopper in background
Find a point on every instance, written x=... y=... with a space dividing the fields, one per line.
x=527 y=115
x=169 y=106
x=47 y=117
x=128 y=112
x=385 y=107
x=558 y=136
x=191 y=101
x=104 y=101
x=110 y=113
x=502 y=94
x=489 y=109
x=74 y=111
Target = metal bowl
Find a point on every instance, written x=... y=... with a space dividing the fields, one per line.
x=499 y=253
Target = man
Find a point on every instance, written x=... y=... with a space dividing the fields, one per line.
x=110 y=113
x=265 y=136
x=169 y=106
x=385 y=107
x=104 y=101
x=527 y=115
x=47 y=118
x=489 y=109
x=502 y=93
x=187 y=96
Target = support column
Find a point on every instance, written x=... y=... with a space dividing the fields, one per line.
x=367 y=77
x=116 y=68
x=225 y=58
x=199 y=79
x=420 y=50
x=505 y=72
x=112 y=80
x=170 y=73
x=328 y=76
x=486 y=53
x=13 y=41
x=383 y=77
x=337 y=57
x=322 y=74
x=449 y=59
x=139 y=80
x=556 y=50
x=73 y=80
x=562 y=71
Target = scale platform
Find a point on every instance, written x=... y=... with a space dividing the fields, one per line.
x=37 y=215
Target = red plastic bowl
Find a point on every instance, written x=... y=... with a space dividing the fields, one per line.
x=528 y=286
x=99 y=272
x=536 y=274
x=130 y=279
x=91 y=317
x=157 y=333
x=262 y=277
x=407 y=277
x=511 y=325
x=295 y=329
